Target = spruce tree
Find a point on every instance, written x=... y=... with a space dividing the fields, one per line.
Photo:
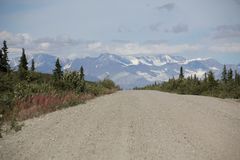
x=205 y=77
x=181 y=75
x=224 y=74
x=211 y=80
x=81 y=73
x=57 y=72
x=195 y=78
x=230 y=75
x=23 y=60
x=191 y=77
x=82 y=87
x=33 y=66
x=23 y=68
x=1 y=61
x=237 y=78
x=5 y=64
x=204 y=83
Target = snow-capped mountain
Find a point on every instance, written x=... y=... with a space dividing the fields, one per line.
x=129 y=71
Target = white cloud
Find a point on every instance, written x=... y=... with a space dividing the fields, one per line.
x=95 y=45
x=16 y=39
x=44 y=45
x=72 y=48
x=136 y=48
x=65 y=46
x=58 y=45
x=226 y=48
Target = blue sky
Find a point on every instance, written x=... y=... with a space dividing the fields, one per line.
x=77 y=28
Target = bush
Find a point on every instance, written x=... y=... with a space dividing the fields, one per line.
x=70 y=81
x=6 y=101
x=95 y=89
x=6 y=82
x=24 y=89
x=107 y=83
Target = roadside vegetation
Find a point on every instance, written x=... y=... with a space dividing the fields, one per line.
x=26 y=93
x=226 y=87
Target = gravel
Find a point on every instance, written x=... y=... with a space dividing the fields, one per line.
x=132 y=125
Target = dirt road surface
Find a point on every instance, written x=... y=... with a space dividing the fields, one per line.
x=132 y=125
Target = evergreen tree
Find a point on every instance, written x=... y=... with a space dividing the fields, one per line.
x=211 y=80
x=204 y=83
x=23 y=68
x=81 y=73
x=237 y=78
x=33 y=66
x=57 y=72
x=205 y=77
x=207 y=86
x=195 y=78
x=224 y=74
x=230 y=75
x=190 y=77
x=82 y=88
x=174 y=86
x=1 y=61
x=181 y=75
x=5 y=65
x=23 y=60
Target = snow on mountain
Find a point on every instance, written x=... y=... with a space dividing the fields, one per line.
x=128 y=71
x=151 y=60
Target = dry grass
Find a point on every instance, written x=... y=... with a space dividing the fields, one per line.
x=39 y=104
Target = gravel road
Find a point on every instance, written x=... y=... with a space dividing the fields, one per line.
x=132 y=125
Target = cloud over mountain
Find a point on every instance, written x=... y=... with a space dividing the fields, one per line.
x=68 y=47
x=79 y=48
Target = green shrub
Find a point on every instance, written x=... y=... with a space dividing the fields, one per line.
x=6 y=101
x=107 y=83
x=95 y=89
x=71 y=81
x=6 y=82
x=24 y=89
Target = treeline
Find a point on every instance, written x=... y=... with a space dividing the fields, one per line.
x=26 y=93
x=68 y=80
x=226 y=87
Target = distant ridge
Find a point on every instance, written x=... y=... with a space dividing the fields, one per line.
x=129 y=71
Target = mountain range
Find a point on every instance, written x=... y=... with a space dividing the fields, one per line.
x=128 y=71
